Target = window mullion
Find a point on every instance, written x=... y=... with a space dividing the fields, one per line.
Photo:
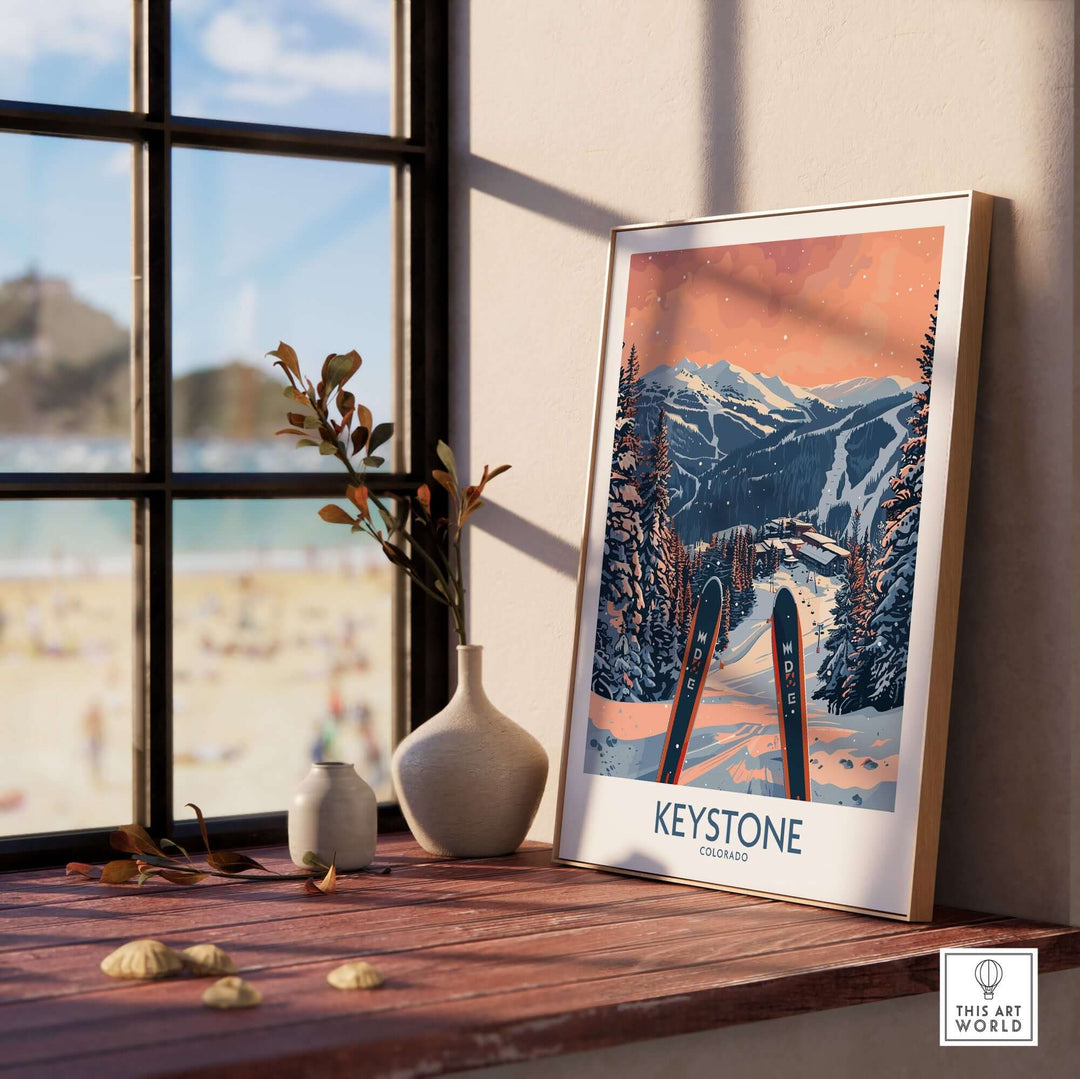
x=156 y=641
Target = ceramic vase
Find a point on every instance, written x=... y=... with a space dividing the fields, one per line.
x=469 y=780
x=334 y=814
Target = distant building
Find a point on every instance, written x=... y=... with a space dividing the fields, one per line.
x=799 y=541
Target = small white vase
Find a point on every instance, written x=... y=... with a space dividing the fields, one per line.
x=335 y=815
x=469 y=780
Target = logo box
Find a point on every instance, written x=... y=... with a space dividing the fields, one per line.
x=989 y=996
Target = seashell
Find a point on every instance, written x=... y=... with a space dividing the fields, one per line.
x=232 y=992
x=358 y=975
x=204 y=960
x=142 y=959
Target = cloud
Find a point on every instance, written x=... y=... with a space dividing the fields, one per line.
x=118 y=162
x=370 y=15
x=95 y=30
x=271 y=62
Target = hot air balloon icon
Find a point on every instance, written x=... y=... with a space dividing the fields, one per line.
x=988 y=974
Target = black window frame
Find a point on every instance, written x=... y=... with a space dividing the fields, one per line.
x=422 y=154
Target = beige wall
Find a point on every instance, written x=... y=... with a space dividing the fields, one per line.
x=571 y=117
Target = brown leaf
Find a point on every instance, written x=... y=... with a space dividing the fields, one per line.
x=339 y=369
x=295 y=418
x=396 y=555
x=444 y=479
x=363 y=417
x=469 y=510
x=134 y=839
x=335 y=515
x=325 y=886
x=423 y=496
x=181 y=876
x=120 y=871
x=497 y=471
x=382 y=433
x=232 y=861
x=358 y=496
x=359 y=437
x=79 y=869
x=287 y=359
x=291 y=431
x=202 y=824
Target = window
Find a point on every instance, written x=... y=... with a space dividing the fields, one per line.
x=181 y=186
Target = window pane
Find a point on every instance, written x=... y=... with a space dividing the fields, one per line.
x=282 y=653
x=65 y=305
x=301 y=63
x=66 y=52
x=66 y=603
x=268 y=249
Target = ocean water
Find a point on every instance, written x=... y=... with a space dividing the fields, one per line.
x=84 y=454
x=77 y=537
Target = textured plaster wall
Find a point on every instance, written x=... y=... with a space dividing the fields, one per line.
x=571 y=117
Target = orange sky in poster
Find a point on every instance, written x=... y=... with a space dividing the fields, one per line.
x=812 y=311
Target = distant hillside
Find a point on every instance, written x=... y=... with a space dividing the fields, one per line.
x=65 y=369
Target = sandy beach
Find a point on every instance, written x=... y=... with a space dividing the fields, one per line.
x=273 y=668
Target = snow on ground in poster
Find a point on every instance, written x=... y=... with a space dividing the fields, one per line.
x=735 y=742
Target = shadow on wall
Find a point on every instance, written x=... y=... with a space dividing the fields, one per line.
x=473 y=172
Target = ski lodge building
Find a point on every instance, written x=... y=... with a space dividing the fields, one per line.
x=797 y=540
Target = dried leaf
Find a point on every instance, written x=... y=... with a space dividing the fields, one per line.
x=119 y=871
x=305 y=442
x=359 y=436
x=289 y=431
x=423 y=496
x=335 y=515
x=382 y=433
x=346 y=402
x=312 y=859
x=396 y=555
x=446 y=455
x=232 y=861
x=145 y=875
x=134 y=839
x=338 y=370
x=497 y=471
x=325 y=886
x=182 y=876
x=358 y=496
x=287 y=359
x=364 y=417
x=469 y=510
x=169 y=843
x=79 y=869
x=374 y=462
x=444 y=479
x=326 y=448
x=202 y=825
x=295 y=418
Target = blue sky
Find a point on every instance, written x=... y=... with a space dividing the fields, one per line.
x=264 y=248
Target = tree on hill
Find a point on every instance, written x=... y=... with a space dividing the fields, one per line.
x=660 y=653
x=617 y=666
x=894 y=573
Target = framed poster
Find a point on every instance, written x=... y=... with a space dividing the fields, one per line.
x=769 y=578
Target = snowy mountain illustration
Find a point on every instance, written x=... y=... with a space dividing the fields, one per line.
x=747 y=447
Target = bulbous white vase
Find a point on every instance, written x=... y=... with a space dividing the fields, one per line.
x=469 y=780
x=335 y=815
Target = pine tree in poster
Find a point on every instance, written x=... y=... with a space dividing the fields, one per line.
x=617 y=670
x=660 y=654
x=894 y=577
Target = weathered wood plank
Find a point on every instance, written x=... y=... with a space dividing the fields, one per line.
x=497 y=960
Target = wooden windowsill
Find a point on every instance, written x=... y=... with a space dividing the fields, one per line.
x=485 y=961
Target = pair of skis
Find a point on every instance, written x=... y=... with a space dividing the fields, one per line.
x=787 y=650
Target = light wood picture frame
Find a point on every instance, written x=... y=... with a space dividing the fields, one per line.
x=769 y=578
